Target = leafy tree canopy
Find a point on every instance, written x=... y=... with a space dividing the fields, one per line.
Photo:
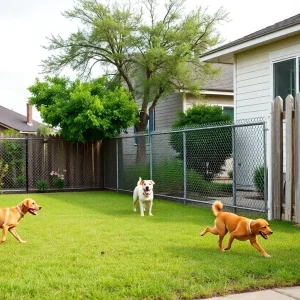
x=153 y=50
x=84 y=110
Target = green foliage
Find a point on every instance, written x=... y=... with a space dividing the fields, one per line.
x=161 y=174
x=259 y=179
x=230 y=174
x=206 y=149
x=42 y=185
x=152 y=49
x=20 y=181
x=84 y=110
x=44 y=130
x=58 y=183
x=3 y=171
x=13 y=155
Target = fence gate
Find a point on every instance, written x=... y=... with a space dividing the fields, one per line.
x=223 y=162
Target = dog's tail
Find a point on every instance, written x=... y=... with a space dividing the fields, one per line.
x=139 y=182
x=217 y=207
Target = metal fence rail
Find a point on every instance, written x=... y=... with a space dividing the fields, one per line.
x=201 y=164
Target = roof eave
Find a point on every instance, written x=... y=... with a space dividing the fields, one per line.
x=226 y=55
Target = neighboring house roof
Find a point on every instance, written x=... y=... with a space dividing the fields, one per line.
x=14 y=120
x=277 y=31
x=223 y=82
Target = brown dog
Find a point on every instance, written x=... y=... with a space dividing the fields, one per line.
x=10 y=217
x=239 y=227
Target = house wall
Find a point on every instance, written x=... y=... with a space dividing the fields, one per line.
x=253 y=95
x=254 y=79
x=222 y=100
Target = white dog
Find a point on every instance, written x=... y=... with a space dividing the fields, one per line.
x=144 y=193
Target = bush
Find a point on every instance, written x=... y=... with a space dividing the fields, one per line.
x=171 y=171
x=206 y=149
x=20 y=181
x=58 y=183
x=42 y=185
x=259 y=179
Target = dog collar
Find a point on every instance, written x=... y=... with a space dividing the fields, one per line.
x=249 y=226
x=22 y=214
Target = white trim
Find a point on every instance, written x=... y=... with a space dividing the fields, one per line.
x=204 y=92
x=234 y=88
x=184 y=104
x=215 y=57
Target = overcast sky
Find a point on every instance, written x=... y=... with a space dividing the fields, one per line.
x=24 y=26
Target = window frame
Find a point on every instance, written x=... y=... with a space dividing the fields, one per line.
x=297 y=75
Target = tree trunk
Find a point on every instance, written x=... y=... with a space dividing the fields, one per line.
x=140 y=127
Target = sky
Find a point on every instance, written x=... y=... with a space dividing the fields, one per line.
x=25 y=26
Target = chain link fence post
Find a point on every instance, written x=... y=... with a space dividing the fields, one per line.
x=234 y=169
x=265 y=168
x=117 y=163
x=150 y=156
x=184 y=168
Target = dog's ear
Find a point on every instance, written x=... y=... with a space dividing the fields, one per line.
x=26 y=202
x=142 y=182
x=255 y=227
x=152 y=182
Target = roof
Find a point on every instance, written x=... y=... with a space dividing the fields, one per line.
x=12 y=119
x=283 y=26
x=224 y=82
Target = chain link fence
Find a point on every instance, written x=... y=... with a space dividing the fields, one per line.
x=40 y=164
x=225 y=162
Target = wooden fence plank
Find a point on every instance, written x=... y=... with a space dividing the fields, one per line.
x=277 y=158
x=290 y=173
x=297 y=159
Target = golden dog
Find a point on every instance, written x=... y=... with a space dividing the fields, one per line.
x=10 y=217
x=240 y=228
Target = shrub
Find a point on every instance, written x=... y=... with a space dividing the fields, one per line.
x=20 y=181
x=206 y=149
x=259 y=179
x=3 y=171
x=171 y=171
x=42 y=185
x=58 y=183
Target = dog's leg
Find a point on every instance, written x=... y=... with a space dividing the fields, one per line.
x=14 y=233
x=150 y=208
x=142 y=208
x=211 y=230
x=4 y=232
x=134 y=204
x=256 y=245
x=231 y=238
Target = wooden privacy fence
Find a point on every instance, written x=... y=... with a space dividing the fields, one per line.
x=32 y=159
x=286 y=191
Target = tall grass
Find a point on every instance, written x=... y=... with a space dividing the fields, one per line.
x=91 y=245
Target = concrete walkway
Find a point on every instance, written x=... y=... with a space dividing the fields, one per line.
x=290 y=293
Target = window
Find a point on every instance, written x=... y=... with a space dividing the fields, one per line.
x=229 y=110
x=285 y=78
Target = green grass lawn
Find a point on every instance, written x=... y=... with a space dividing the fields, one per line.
x=91 y=245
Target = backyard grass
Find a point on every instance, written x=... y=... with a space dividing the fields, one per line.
x=91 y=245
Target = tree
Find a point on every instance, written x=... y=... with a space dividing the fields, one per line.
x=84 y=111
x=206 y=149
x=152 y=56
x=44 y=130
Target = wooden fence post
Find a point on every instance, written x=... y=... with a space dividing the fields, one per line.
x=290 y=158
x=297 y=159
x=277 y=158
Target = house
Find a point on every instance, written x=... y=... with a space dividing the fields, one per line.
x=218 y=91
x=10 y=119
x=266 y=64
